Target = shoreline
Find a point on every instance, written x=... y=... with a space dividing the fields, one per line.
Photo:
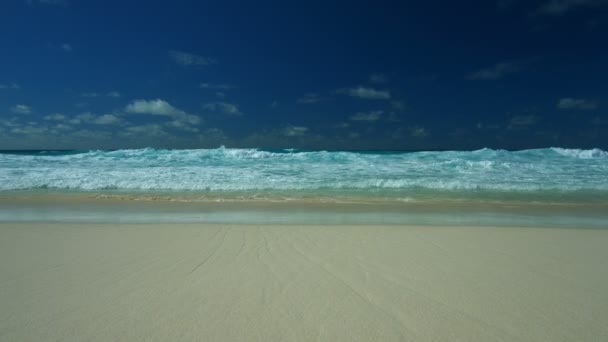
x=271 y=199
x=335 y=196
x=94 y=207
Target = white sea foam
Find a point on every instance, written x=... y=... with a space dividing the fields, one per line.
x=225 y=169
x=583 y=154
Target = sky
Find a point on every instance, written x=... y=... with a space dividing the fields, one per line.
x=407 y=75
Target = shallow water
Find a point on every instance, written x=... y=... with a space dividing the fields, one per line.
x=96 y=208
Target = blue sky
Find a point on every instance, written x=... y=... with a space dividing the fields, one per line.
x=318 y=74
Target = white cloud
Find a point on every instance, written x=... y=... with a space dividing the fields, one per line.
x=21 y=109
x=109 y=94
x=47 y=2
x=342 y=125
x=82 y=118
x=310 y=98
x=370 y=116
x=13 y=86
x=561 y=7
x=191 y=119
x=65 y=47
x=495 y=72
x=418 y=132
x=393 y=117
x=216 y=86
x=181 y=125
x=90 y=95
x=378 y=78
x=55 y=117
x=398 y=105
x=107 y=119
x=190 y=59
x=29 y=130
x=154 y=107
x=224 y=108
x=366 y=93
x=522 y=121
x=578 y=104
x=88 y=117
x=148 y=129
x=62 y=127
x=295 y=131
x=53 y=2
x=12 y=122
x=181 y=119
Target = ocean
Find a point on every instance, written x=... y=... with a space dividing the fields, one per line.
x=544 y=178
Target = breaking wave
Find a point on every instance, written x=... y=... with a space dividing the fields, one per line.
x=226 y=169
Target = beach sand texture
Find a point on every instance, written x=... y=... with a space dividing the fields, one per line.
x=204 y=282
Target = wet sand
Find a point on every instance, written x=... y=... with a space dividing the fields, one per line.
x=228 y=282
x=82 y=207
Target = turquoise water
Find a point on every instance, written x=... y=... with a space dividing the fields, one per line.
x=543 y=187
x=552 y=174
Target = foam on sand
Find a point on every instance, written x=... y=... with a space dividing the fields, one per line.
x=98 y=282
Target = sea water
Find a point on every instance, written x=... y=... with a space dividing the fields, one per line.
x=224 y=170
x=551 y=176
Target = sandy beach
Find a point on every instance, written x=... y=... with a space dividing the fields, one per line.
x=220 y=282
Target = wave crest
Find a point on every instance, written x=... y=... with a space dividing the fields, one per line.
x=228 y=169
x=582 y=154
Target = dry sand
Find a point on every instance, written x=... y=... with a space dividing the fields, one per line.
x=90 y=282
